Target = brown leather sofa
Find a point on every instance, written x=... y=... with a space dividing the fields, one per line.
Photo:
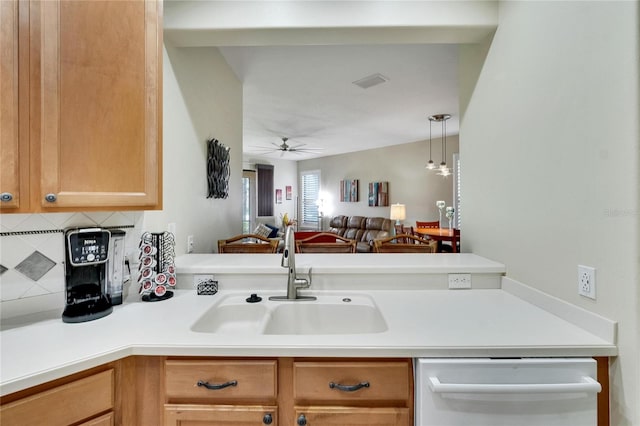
x=362 y=229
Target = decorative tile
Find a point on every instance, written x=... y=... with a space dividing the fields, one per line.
x=13 y=285
x=3 y=269
x=98 y=217
x=14 y=249
x=35 y=266
x=34 y=222
x=78 y=219
x=9 y=222
x=53 y=281
x=34 y=290
x=58 y=219
x=52 y=246
x=117 y=219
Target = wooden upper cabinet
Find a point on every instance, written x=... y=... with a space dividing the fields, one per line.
x=10 y=184
x=96 y=90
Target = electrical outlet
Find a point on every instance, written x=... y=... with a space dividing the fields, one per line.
x=190 y=244
x=587 y=281
x=457 y=281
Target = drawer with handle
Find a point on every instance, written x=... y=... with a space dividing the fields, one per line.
x=213 y=380
x=351 y=381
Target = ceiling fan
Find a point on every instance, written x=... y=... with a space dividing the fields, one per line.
x=285 y=147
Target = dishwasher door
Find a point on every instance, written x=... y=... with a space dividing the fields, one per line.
x=506 y=392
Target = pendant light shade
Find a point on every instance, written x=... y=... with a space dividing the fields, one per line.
x=443 y=170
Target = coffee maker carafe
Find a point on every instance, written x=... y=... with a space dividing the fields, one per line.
x=86 y=255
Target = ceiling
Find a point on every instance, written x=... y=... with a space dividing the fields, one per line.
x=306 y=94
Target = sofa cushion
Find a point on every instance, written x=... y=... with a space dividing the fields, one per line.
x=262 y=230
x=274 y=231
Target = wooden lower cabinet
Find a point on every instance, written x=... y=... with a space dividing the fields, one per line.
x=105 y=420
x=219 y=415
x=65 y=404
x=207 y=391
x=288 y=391
x=352 y=416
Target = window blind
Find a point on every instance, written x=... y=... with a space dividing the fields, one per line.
x=457 y=191
x=310 y=184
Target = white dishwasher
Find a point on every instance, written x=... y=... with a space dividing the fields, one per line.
x=506 y=392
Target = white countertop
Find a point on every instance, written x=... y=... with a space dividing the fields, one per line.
x=421 y=323
x=404 y=263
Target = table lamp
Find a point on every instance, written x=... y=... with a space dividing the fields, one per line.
x=398 y=213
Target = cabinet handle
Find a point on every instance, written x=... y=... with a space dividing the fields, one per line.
x=217 y=386
x=302 y=420
x=50 y=198
x=267 y=419
x=348 y=388
x=6 y=196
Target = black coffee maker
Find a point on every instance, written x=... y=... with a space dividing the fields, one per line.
x=85 y=267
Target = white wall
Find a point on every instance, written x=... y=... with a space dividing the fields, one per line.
x=549 y=147
x=403 y=166
x=202 y=99
x=284 y=174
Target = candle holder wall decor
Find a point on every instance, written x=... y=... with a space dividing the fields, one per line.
x=449 y=213
x=440 y=205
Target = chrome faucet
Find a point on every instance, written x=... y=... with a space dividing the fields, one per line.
x=289 y=262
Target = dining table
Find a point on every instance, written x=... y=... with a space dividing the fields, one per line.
x=441 y=234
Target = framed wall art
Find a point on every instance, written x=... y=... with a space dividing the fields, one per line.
x=287 y=190
x=349 y=190
x=278 y=196
x=378 y=194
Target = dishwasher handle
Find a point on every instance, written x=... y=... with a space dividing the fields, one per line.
x=587 y=384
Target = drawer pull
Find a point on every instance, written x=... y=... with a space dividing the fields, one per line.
x=215 y=386
x=348 y=388
x=50 y=198
x=302 y=420
x=267 y=419
x=6 y=196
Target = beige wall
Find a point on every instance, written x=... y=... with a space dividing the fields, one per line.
x=403 y=166
x=549 y=146
x=202 y=99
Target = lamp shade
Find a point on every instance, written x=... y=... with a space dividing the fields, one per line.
x=398 y=212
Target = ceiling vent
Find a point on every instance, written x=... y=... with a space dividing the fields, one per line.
x=370 y=81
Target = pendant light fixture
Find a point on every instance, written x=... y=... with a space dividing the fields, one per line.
x=443 y=170
x=430 y=164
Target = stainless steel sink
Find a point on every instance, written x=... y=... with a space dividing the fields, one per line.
x=329 y=314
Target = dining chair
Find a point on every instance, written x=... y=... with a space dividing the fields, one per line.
x=414 y=244
x=325 y=242
x=401 y=229
x=447 y=247
x=429 y=224
x=248 y=243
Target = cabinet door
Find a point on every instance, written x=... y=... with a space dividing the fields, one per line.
x=9 y=140
x=219 y=415
x=352 y=416
x=67 y=404
x=96 y=79
x=104 y=420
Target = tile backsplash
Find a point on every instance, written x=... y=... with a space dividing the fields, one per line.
x=32 y=255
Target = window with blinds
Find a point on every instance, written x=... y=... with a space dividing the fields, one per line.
x=310 y=191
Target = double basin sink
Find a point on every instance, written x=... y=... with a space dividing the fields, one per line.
x=329 y=314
